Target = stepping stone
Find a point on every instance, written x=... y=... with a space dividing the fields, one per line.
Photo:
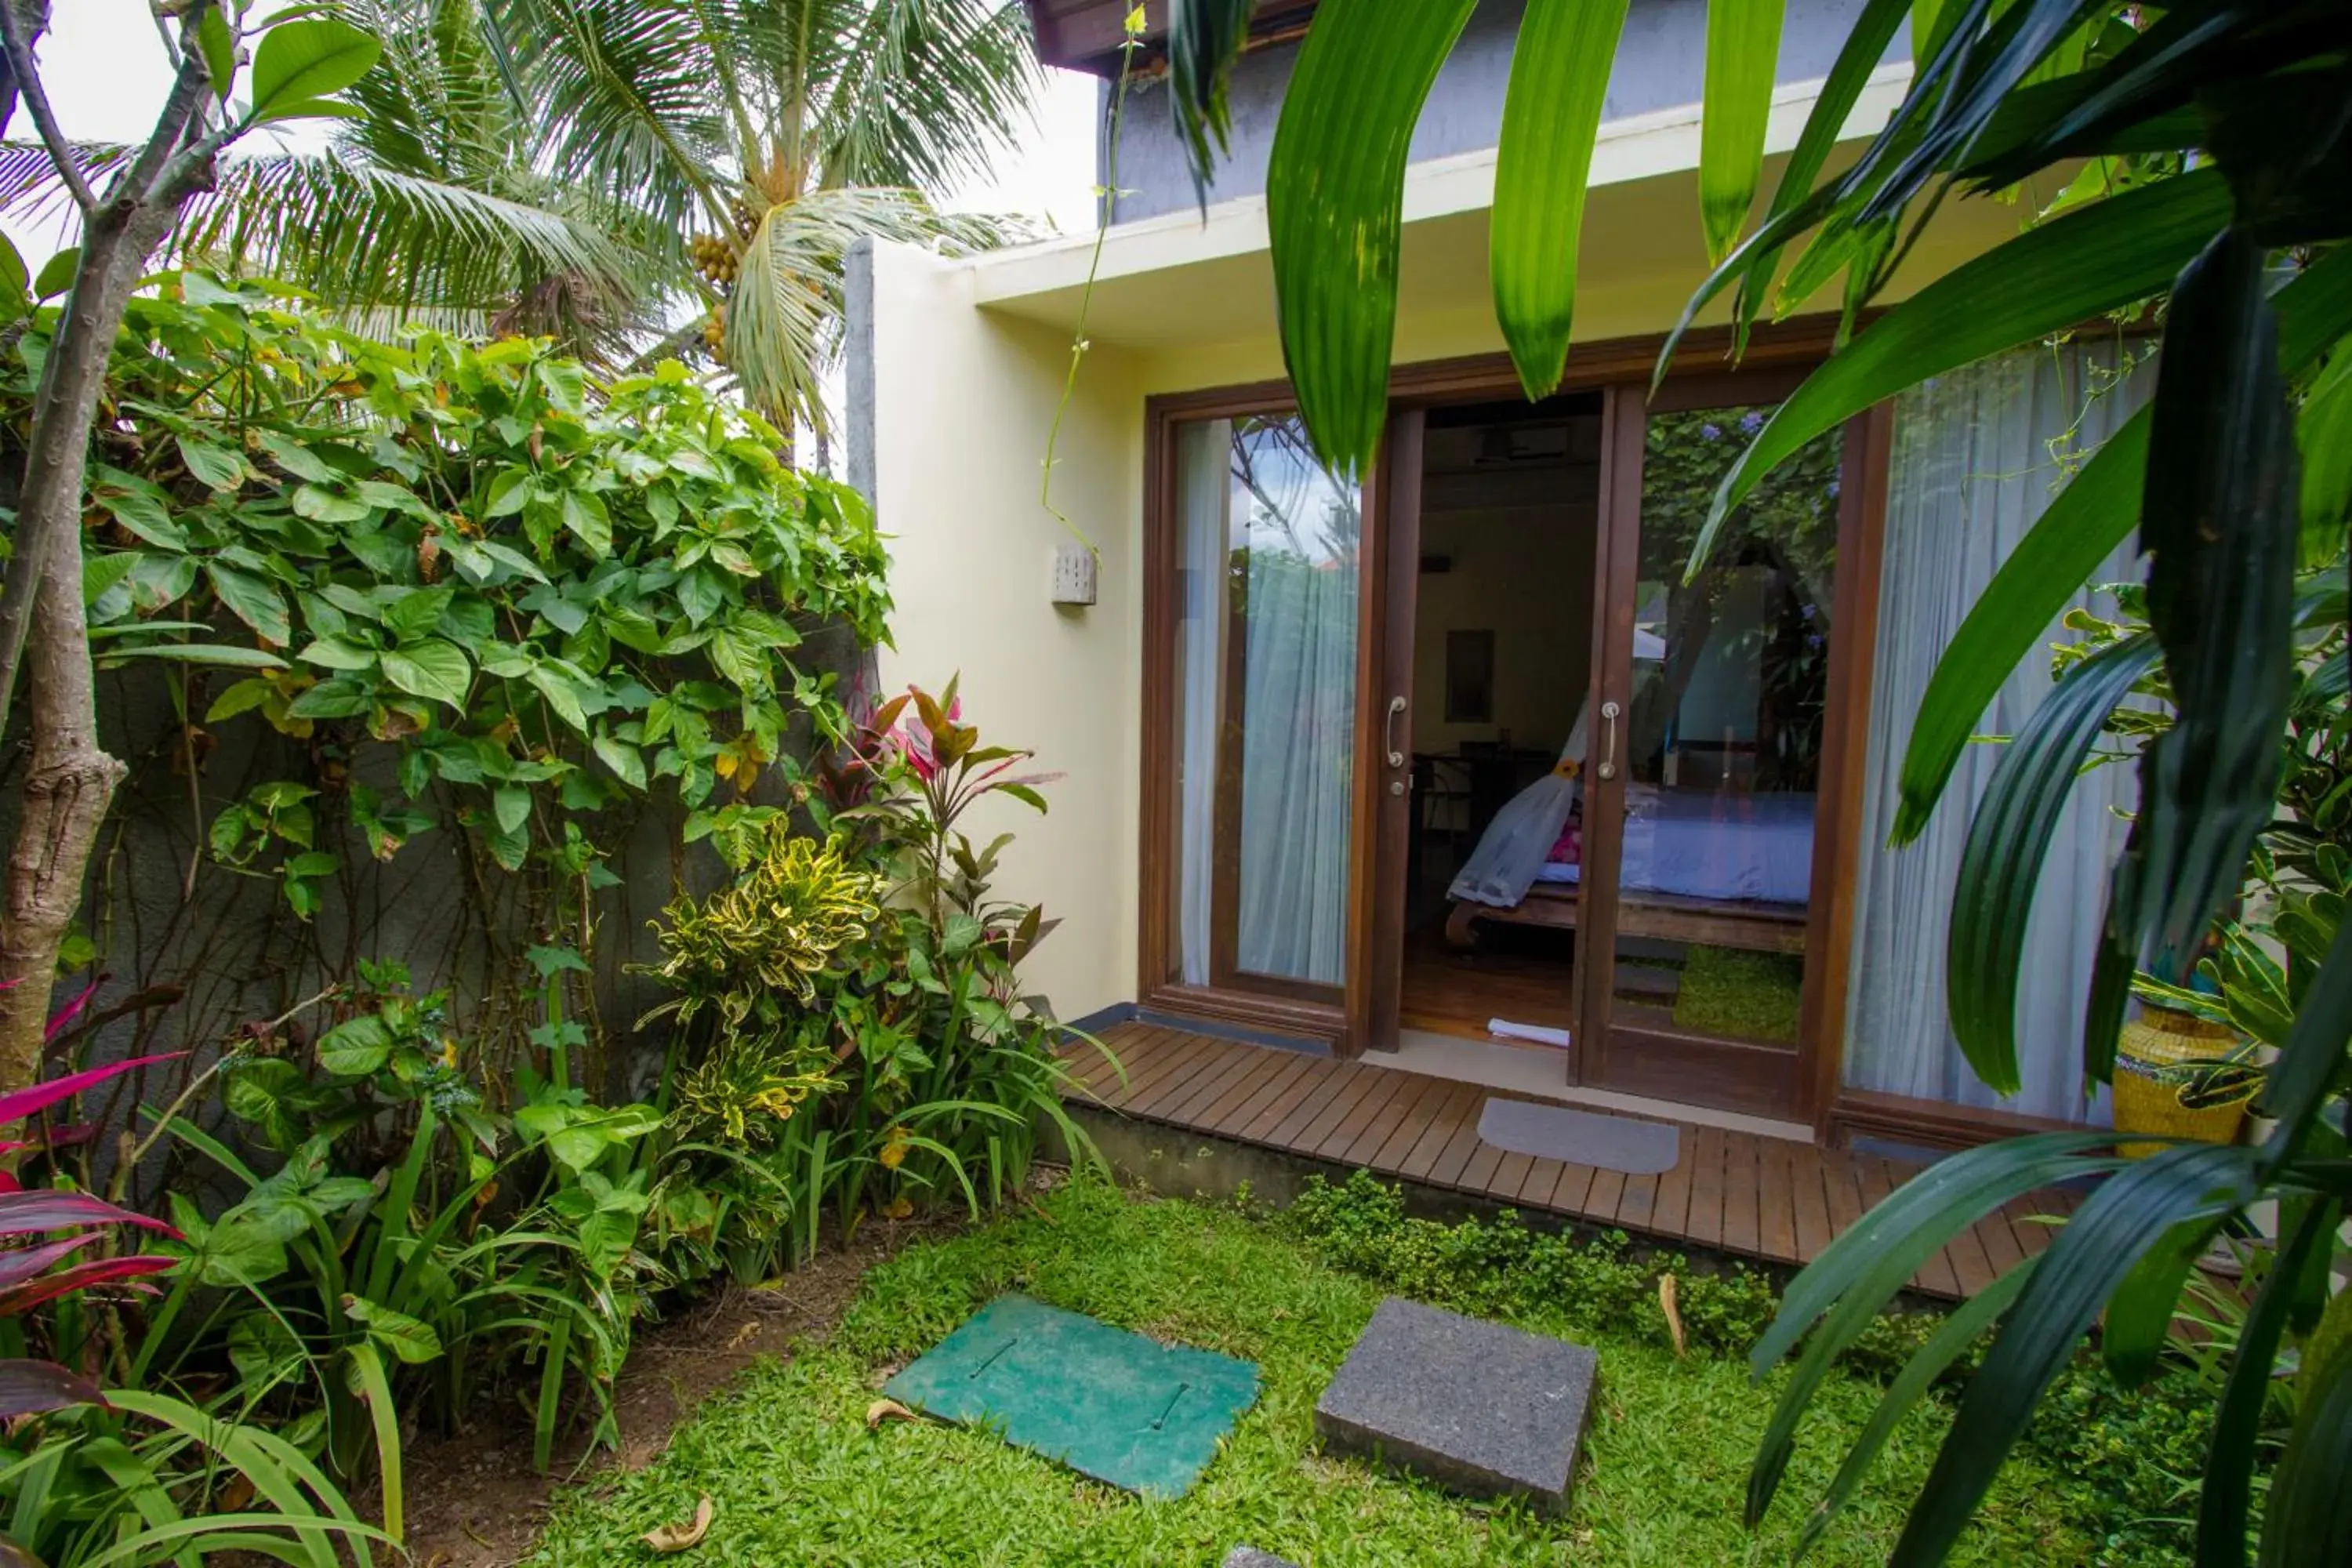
x=1251 y=1557
x=1472 y=1406
x=1109 y=1404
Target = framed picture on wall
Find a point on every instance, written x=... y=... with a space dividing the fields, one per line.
x=1470 y=678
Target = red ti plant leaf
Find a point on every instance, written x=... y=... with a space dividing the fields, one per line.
x=21 y=1213
x=20 y=1264
x=30 y=1387
x=60 y=1020
x=41 y=1096
x=81 y=1277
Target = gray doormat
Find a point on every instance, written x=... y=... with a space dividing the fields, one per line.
x=1580 y=1137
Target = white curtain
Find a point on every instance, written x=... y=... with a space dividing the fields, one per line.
x=1977 y=456
x=1298 y=728
x=1202 y=448
x=1263 y=526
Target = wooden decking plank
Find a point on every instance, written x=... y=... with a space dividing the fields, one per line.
x=1568 y=1193
x=1844 y=1194
x=1636 y=1207
x=1809 y=1186
x=1283 y=1125
x=1150 y=1061
x=1453 y=1160
x=1421 y=1111
x=1459 y=1105
x=1703 y=1224
x=1168 y=1065
x=1205 y=1084
x=1478 y=1171
x=1600 y=1200
x=1412 y=1094
x=1971 y=1265
x=1087 y=1068
x=1536 y=1187
x=1669 y=1215
x=1268 y=1066
x=1503 y=1186
x=1740 y=1177
x=1274 y=1090
x=1775 y=1201
x=1181 y=1081
x=1383 y=1088
x=1355 y=1084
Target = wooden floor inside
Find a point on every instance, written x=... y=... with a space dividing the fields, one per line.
x=1734 y=1192
x=1452 y=993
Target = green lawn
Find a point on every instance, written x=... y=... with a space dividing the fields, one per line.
x=798 y=1479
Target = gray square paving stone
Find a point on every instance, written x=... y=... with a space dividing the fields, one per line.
x=1477 y=1407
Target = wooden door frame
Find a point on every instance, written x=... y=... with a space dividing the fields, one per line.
x=1416 y=387
x=1381 y=822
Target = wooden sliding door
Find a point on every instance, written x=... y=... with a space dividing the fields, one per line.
x=1711 y=779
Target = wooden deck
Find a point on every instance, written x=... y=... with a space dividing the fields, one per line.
x=1755 y=1196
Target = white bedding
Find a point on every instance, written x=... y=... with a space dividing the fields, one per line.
x=1700 y=844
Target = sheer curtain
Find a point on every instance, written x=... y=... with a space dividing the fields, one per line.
x=1977 y=456
x=1201 y=498
x=1298 y=731
x=1268 y=557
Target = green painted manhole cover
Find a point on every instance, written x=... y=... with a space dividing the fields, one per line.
x=1109 y=1404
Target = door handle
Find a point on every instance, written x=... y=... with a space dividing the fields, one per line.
x=1609 y=711
x=1388 y=725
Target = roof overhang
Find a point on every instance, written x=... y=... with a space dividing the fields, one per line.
x=1190 y=279
x=1086 y=34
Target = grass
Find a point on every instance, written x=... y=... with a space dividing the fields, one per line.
x=1750 y=996
x=797 y=1478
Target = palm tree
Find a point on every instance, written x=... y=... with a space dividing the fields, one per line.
x=631 y=177
x=782 y=131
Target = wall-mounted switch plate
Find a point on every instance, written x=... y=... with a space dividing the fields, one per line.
x=1073 y=570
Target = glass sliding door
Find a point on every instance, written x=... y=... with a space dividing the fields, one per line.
x=1268 y=585
x=1710 y=749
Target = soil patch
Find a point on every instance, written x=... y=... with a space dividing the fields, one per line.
x=474 y=1502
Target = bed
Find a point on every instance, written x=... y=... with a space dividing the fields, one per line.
x=1724 y=870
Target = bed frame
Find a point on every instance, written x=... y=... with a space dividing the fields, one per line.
x=1711 y=922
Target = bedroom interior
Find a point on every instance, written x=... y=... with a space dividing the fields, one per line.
x=1722 y=733
x=1502 y=652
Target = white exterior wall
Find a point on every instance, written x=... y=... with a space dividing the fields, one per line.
x=956 y=404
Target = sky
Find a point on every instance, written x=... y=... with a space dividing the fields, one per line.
x=107 y=76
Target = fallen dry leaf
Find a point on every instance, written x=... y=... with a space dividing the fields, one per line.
x=671 y=1538
x=883 y=1410
x=1674 y=1317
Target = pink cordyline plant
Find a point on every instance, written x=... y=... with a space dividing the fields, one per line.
x=30 y=1274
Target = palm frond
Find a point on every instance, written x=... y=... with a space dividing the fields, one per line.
x=782 y=316
x=366 y=238
x=930 y=91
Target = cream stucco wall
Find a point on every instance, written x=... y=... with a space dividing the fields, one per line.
x=961 y=402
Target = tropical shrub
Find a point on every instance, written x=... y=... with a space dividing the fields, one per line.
x=851 y=1030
